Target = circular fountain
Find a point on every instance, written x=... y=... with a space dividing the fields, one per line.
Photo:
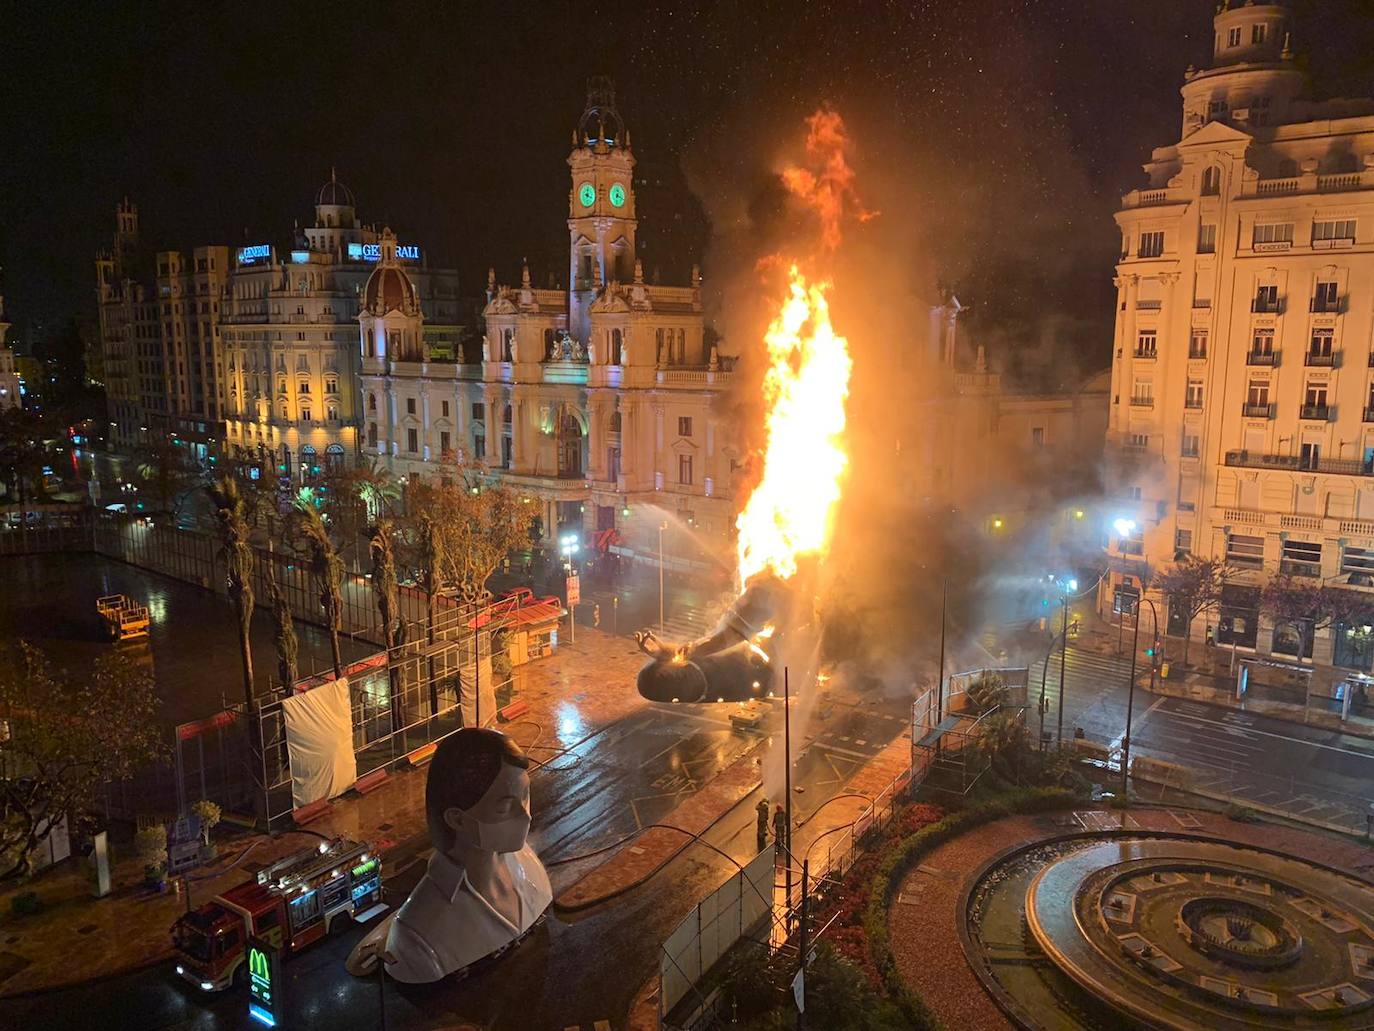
x=1171 y=932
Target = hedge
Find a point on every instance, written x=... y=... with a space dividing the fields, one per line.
x=900 y=859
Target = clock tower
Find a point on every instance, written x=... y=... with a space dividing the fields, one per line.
x=601 y=205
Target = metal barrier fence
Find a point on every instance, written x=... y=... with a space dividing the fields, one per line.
x=712 y=928
x=843 y=847
x=435 y=684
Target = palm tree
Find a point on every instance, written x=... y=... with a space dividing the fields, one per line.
x=384 y=589
x=285 y=637
x=376 y=487
x=232 y=516
x=1003 y=742
x=327 y=569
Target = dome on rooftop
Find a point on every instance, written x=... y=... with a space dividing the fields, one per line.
x=334 y=193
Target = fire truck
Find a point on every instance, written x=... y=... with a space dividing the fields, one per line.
x=296 y=901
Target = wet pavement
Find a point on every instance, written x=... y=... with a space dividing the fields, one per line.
x=613 y=763
x=1303 y=771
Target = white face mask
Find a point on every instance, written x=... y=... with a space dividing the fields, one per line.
x=504 y=835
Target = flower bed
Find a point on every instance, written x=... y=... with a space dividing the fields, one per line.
x=894 y=864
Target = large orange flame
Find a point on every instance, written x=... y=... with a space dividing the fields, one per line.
x=791 y=512
x=828 y=186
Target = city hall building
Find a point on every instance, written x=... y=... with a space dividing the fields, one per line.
x=597 y=402
x=1242 y=394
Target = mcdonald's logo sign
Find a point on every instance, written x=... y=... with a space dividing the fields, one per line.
x=263 y=960
x=258 y=965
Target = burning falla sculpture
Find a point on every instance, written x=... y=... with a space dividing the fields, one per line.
x=730 y=664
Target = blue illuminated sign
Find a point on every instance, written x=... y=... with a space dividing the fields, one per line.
x=300 y=257
x=373 y=251
x=257 y=252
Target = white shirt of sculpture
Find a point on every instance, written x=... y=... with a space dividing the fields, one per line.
x=446 y=924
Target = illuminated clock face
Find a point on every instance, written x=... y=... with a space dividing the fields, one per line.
x=617 y=195
x=586 y=193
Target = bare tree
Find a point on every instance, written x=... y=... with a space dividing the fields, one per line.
x=167 y=470
x=476 y=524
x=326 y=568
x=21 y=455
x=1191 y=587
x=1309 y=605
x=65 y=737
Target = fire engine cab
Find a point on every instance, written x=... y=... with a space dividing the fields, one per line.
x=296 y=901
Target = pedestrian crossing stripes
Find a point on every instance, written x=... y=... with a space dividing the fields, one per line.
x=1084 y=666
x=687 y=624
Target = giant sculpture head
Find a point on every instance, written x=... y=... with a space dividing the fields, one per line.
x=483 y=888
x=478 y=793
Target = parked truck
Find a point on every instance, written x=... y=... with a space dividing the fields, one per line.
x=292 y=903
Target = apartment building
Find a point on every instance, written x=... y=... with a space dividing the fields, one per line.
x=1242 y=397
x=130 y=335
x=289 y=325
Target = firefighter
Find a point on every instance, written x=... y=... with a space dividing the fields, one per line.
x=762 y=809
x=780 y=835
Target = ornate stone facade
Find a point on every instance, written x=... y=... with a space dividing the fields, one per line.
x=598 y=403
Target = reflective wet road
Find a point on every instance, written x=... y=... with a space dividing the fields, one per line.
x=49 y=600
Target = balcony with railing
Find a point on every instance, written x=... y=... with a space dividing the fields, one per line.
x=1296 y=463
x=1368 y=415
x=1146 y=352
x=1197 y=354
x=1320 y=359
x=1308 y=183
x=1293 y=567
x=1267 y=305
x=1326 y=305
x=1192 y=402
x=1316 y=413
x=1262 y=358
x=1257 y=411
x=1142 y=402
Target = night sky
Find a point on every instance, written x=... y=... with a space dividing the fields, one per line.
x=1004 y=131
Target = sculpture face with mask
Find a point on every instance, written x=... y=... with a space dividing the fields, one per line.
x=485 y=887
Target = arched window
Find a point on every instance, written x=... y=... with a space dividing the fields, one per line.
x=334 y=456
x=616 y=338
x=1211 y=181
x=372 y=435
x=615 y=422
x=681 y=347
x=371 y=402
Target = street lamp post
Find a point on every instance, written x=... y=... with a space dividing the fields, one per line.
x=1130 y=689
x=1063 y=661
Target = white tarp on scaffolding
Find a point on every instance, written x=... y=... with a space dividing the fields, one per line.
x=319 y=742
x=472 y=685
